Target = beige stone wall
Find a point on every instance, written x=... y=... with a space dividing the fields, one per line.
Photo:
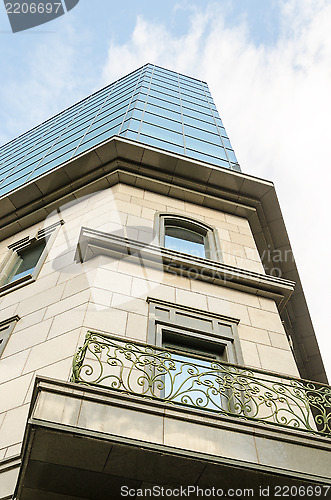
x=109 y=295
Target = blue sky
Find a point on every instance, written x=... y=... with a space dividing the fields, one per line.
x=66 y=57
x=268 y=66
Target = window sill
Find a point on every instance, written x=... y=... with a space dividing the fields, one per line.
x=15 y=285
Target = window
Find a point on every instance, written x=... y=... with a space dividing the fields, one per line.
x=181 y=341
x=193 y=330
x=199 y=345
x=25 y=259
x=197 y=377
x=188 y=236
x=6 y=327
x=184 y=240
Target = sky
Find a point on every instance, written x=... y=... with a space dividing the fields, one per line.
x=268 y=66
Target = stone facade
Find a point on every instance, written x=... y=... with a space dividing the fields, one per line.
x=109 y=295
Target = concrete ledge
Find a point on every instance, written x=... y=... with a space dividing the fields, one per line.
x=92 y=243
x=150 y=421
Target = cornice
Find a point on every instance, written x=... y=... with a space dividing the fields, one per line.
x=93 y=243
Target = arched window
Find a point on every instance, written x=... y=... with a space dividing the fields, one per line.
x=188 y=236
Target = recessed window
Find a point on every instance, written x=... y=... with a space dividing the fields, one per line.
x=199 y=346
x=25 y=259
x=193 y=331
x=188 y=236
x=25 y=262
x=197 y=373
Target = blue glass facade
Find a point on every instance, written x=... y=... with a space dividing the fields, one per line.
x=152 y=105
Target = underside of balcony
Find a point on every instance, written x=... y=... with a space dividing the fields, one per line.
x=88 y=442
x=66 y=464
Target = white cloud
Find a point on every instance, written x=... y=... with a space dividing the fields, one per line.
x=275 y=102
x=154 y=43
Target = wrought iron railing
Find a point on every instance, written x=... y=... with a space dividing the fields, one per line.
x=196 y=381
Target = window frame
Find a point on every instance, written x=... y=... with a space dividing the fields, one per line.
x=195 y=327
x=18 y=253
x=200 y=335
x=188 y=344
x=210 y=233
x=6 y=328
x=46 y=235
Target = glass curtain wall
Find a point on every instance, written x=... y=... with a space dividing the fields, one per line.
x=151 y=105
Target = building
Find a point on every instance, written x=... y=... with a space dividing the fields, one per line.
x=154 y=331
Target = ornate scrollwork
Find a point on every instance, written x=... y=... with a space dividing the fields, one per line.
x=179 y=378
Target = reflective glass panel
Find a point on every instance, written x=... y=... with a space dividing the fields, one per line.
x=185 y=241
x=194 y=378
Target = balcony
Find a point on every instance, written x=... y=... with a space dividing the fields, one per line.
x=142 y=416
x=192 y=381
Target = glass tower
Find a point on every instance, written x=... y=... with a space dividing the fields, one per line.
x=151 y=105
